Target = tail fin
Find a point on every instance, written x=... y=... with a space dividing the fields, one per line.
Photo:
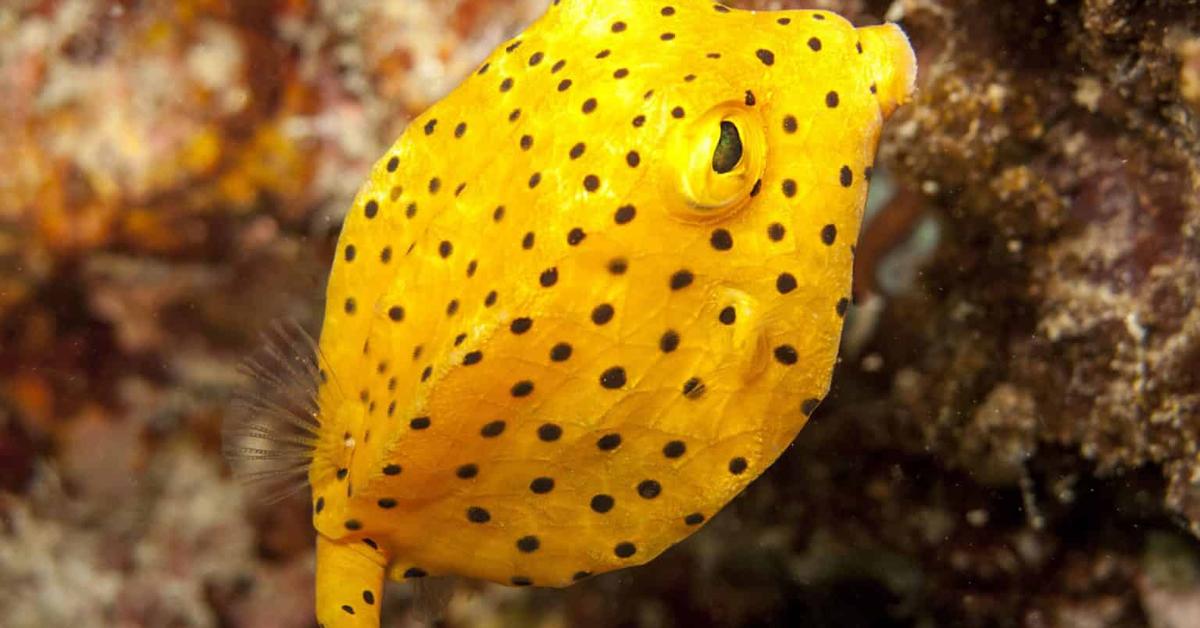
x=271 y=432
x=893 y=65
x=349 y=584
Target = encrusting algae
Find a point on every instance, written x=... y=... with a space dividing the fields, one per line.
x=584 y=300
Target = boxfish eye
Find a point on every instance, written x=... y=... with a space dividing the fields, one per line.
x=729 y=148
x=715 y=160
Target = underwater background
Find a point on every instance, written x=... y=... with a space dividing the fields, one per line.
x=1012 y=434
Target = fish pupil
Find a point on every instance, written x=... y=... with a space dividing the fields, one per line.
x=729 y=149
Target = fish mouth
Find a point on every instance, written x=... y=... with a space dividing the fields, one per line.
x=891 y=63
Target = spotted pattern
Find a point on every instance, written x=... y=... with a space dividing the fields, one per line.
x=586 y=339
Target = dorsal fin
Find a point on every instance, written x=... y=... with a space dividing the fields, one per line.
x=270 y=436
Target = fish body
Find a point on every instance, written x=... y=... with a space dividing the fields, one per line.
x=594 y=292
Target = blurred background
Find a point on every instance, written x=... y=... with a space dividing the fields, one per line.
x=1011 y=439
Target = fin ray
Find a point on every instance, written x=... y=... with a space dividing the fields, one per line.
x=270 y=436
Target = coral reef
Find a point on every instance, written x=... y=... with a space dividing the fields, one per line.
x=1012 y=437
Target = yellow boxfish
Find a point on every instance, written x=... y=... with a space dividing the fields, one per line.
x=585 y=299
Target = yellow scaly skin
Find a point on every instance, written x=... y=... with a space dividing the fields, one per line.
x=567 y=322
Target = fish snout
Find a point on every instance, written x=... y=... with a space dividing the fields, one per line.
x=891 y=63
